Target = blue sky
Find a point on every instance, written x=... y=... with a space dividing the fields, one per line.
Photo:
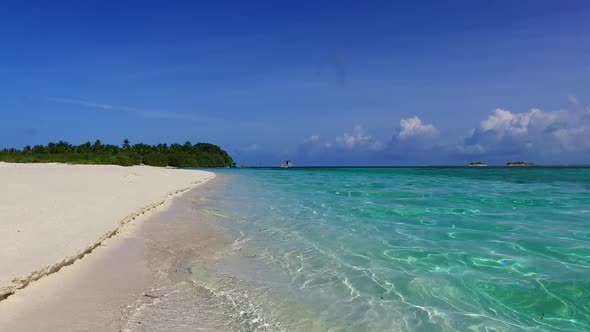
x=322 y=83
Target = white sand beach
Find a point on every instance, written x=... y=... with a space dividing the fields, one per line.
x=52 y=214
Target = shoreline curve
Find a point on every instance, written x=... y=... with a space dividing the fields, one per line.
x=20 y=282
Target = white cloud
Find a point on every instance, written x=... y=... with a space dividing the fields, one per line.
x=358 y=139
x=312 y=138
x=135 y=110
x=504 y=122
x=413 y=127
x=535 y=131
x=82 y=103
x=535 y=135
x=572 y=99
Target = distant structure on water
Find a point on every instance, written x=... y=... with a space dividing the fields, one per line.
x=519 y=163
x=477 y=164
x=287 y=164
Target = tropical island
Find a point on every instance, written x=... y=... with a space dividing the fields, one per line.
x=519 y=163
x=478 y=164
x=176 y=155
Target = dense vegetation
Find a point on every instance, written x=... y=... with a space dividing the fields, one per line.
x=185 y=155
x=519 y=163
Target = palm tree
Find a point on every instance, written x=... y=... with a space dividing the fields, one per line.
x=97 y=146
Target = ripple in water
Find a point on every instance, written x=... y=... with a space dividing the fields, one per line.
x=423 y=249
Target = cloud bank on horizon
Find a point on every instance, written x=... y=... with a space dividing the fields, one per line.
x=535 y=135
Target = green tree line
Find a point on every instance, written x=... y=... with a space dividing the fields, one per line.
x=177 y=155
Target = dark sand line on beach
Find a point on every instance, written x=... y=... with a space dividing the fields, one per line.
x=107 y=290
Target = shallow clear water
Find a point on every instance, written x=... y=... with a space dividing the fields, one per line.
x=411 y=249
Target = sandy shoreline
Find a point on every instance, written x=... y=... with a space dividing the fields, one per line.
x=120 y=284
x=53 y=214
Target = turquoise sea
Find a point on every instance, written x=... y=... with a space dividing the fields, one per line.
x=406 y=249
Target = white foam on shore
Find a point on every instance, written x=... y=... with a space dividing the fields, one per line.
x=54 y=214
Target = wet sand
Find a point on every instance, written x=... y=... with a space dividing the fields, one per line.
x=53 y=214
x=115 y=287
